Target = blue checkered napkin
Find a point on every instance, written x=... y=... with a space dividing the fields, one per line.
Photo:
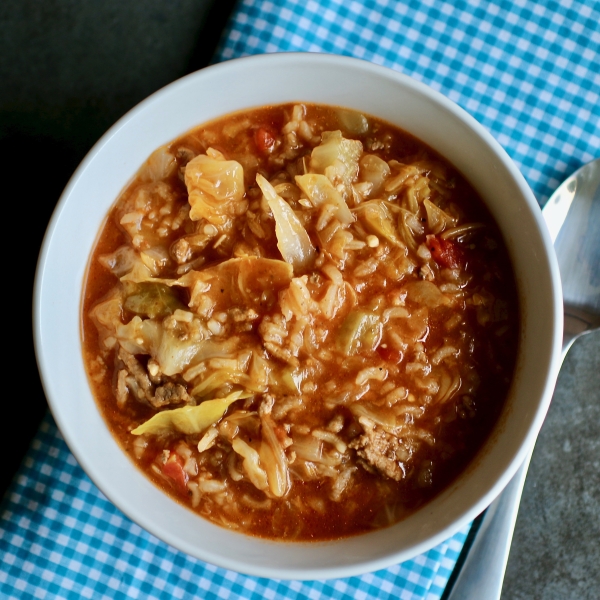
x=61 y=538
x=528 y=71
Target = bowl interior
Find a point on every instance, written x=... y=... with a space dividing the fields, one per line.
x=274 y=79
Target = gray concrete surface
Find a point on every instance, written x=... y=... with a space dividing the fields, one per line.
x=555 y=553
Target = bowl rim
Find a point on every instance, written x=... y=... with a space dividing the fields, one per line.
x=301 y=60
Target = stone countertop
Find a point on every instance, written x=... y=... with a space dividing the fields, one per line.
x=555 y=552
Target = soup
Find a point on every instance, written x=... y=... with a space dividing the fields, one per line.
x=300 y=321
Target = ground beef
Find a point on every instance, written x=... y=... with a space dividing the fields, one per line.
x=133 y=378
x=380 y=451
x=171 y=393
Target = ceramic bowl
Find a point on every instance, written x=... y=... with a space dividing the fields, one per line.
x=252 y=82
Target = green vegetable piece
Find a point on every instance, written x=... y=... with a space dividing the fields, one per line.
x=360 y=331
x=378 y=219
x=188 y=419
x=286 y=381
x=153 y=300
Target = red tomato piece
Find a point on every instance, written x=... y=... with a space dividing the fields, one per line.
x=445 y=252
x=265 y=140
x=173 y=468
x=390 y=355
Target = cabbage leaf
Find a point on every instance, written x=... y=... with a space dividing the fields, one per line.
x=355 y=122
x=374 y=170
x=188 y=419
x=174 y=354
x=107 y=314
x=124 y=260
x=240 y=282
x=139 y=336
x=334 y=147
x=160 y=165
x=153 y=300
x=215 y=189
x=359 y=331
x=437 y=219
x=378 y=219
x=425 y=293
x=292 y=239
x=320 y=190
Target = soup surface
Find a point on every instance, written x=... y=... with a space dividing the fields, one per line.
x=300 y=321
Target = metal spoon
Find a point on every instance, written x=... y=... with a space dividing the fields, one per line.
x=572 y=215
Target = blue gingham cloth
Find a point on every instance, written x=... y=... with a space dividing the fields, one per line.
x=530 y=73
x=61 y=538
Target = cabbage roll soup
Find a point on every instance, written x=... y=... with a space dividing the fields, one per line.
x=300 y=322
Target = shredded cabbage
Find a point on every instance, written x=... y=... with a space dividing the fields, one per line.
x=272 y=458
x=247 y=369
x=275 y=467
x=308 y=447
x=286 y=381
x=252 y=466
x=172 y=350
x=127 y=264
x=155 y=258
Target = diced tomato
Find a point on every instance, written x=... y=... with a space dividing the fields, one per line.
x=173 y=468
x=389 y=355
x=265 y=140
x=445 y=252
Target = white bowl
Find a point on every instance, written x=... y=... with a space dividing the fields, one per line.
x=272 y=79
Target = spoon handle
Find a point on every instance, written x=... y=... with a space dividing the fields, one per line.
x=482 y=573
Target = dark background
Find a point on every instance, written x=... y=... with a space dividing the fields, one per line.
x=68 y=70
